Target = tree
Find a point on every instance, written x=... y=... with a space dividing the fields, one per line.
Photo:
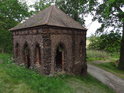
x=105 y=42
x=74 y=8
x=38 y=6
x=110 y=14
x=11 y=13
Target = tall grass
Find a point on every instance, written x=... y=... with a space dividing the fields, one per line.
x=97 y=55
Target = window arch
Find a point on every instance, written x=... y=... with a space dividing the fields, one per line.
x=17 y=50
x=26 y=55
x=60 y=57
x=37 y=54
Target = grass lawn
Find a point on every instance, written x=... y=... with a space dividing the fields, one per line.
x=17 y=79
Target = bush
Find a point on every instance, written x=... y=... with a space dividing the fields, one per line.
x=109 y=42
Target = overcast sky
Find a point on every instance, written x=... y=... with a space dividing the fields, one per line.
x=91 y=26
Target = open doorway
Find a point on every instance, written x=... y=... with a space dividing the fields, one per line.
x=37 y=54
x=59 y=58
x=26 y=55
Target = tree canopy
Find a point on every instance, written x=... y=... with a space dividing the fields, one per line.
x=105 y=42
x=110 y=14
x=11 y=13
x=107 y=12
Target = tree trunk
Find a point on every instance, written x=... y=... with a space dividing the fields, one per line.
x=121 y=60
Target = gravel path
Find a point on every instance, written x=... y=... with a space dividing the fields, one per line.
x=107 y=78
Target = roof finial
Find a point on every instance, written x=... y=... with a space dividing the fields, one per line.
x=53 y=2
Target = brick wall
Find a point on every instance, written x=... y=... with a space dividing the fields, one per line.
x=48 y=38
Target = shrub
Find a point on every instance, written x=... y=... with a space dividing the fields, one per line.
x=109 y=42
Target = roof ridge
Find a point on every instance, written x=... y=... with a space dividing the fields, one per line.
x=69 y=16
x=52 y=16
x=48 y=17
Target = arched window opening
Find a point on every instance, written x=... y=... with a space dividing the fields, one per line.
x=59 y=58
x=17 y=50
x=37 y=55
x=26 y=55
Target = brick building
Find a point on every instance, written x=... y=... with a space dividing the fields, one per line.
x=50 y=42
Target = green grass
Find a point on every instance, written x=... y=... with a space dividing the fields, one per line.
x=111 y=67
x=17 y=79
x=5 y=58
x=87 y=84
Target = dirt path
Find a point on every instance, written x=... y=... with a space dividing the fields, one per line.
x=107 y=78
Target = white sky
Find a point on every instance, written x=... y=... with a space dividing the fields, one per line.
x=91 y=26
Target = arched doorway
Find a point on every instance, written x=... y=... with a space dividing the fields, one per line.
x=37 y=55
x=59 y=58
x=26 y=55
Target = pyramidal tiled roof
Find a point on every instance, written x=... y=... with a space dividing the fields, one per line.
x=51 y=16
